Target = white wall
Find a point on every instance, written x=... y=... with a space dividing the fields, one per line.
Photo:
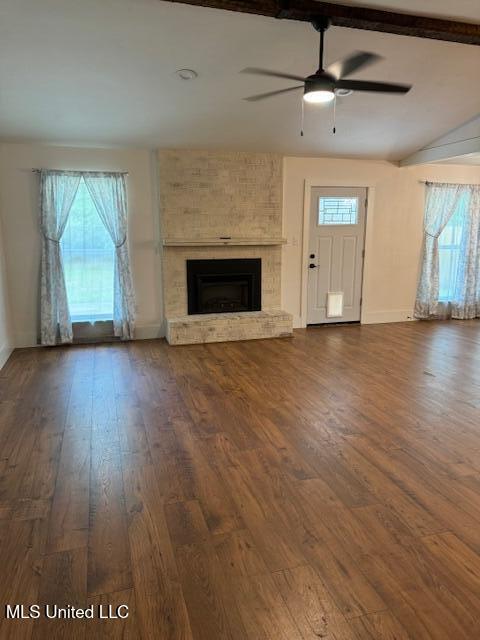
x=19 y=209
x=394 y=228
x=6 y=334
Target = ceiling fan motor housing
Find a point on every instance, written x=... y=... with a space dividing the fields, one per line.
x=319 y=82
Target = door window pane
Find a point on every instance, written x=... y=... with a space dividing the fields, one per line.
x=333 y=210
x=88 y=259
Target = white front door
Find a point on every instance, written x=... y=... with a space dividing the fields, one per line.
x=337 y=238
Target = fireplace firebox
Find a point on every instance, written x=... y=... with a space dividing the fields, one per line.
x=224 y=286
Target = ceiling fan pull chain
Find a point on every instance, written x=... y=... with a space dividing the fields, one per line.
x=320 y=53
x=334 y=115
x=303 y=117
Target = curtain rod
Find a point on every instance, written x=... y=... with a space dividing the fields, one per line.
x=462 y=184
x=122 y=173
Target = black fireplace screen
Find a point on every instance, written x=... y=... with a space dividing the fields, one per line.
x=224 y=286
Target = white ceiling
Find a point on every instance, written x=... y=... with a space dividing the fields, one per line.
x=102 y=73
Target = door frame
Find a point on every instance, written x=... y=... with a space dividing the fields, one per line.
x=369 y=210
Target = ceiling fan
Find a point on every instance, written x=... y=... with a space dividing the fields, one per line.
x=321 y=86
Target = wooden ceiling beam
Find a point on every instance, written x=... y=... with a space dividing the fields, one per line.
x=353 y=17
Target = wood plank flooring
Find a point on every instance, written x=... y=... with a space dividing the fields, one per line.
x=325 y=486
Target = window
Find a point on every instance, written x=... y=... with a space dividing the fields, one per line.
x=333 y=210
x=88 y=258
x=450 y=243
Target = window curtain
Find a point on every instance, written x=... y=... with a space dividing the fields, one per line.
x=57 y=193
x=442 y=202
x=465 y=302
x=108 y=192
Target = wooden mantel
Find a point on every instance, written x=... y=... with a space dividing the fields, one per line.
x=231 y=241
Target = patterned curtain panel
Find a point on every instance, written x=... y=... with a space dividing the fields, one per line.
x=464 y=304
x=108 y=192
x=57 y=193
x=449 y=284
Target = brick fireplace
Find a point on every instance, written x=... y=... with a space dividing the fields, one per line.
x=221 y=208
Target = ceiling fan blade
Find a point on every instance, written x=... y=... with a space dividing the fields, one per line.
x=261 y=96
x=354 y=62
x=378 y=87
x=272 y=74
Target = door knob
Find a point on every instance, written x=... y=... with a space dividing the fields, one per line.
x=312 y=266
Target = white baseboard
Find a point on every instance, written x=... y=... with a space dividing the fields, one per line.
x=152 y=331
x=393 y=315
x=25 y=339
x=4 y=355
x=297 y=322
x=372 y=317
x=149 y=332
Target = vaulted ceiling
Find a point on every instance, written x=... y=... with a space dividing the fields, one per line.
x=102 y=73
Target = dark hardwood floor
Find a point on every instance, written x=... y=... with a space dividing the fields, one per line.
x=326 y=486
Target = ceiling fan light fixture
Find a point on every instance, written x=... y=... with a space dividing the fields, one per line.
x=319 y=96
